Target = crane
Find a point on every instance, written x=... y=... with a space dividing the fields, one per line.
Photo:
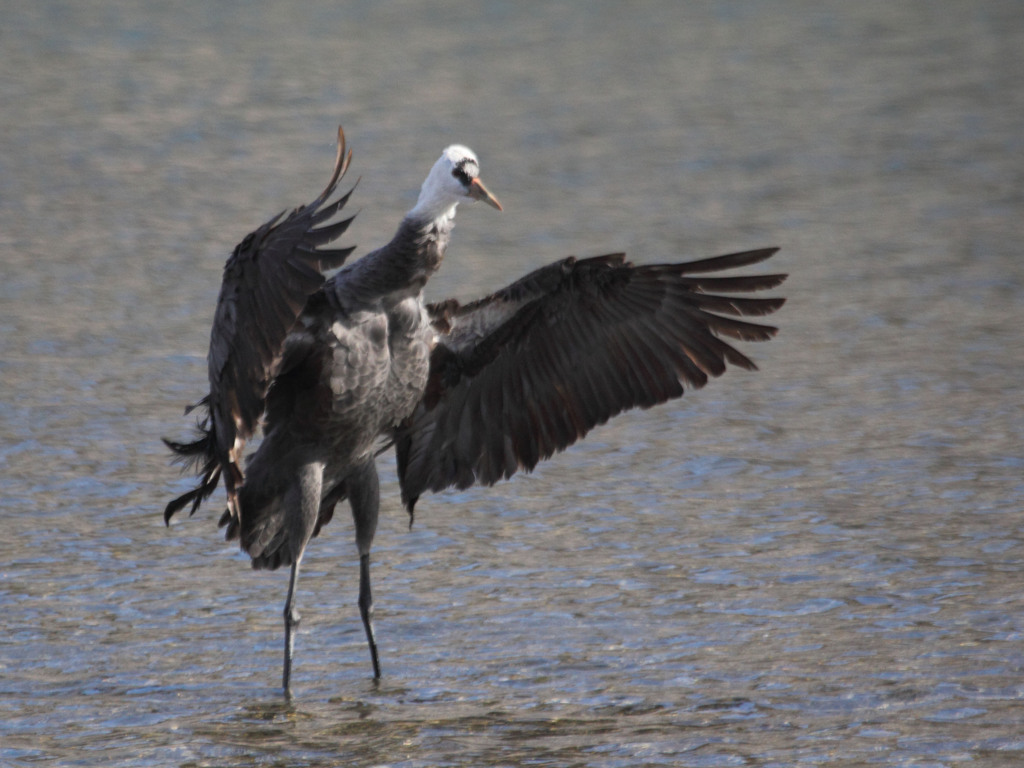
x=336 y=370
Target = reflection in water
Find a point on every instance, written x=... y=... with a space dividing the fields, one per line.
x=815 y=564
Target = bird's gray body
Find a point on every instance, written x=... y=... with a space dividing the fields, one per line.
x=353 y=368
x=333 y=370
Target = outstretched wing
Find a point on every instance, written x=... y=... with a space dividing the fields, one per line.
x=267 y=281
x=528 y=371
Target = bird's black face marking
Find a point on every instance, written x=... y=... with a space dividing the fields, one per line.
x=465 y=171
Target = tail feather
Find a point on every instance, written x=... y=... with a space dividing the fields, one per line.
x=259 y=530
x=195 y=497
x=199 y=456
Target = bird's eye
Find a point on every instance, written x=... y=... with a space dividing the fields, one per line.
x=461 y=171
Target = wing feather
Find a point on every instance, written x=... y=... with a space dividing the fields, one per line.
x=266 y=284
x=527 y=371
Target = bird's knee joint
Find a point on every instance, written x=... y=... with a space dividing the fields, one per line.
x=366 y=604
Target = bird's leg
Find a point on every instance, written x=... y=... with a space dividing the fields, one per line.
x=364 y=496
x=366 y=610
x=303 y=505
x=291 y=623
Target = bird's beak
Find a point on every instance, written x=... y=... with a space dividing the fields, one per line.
x=478 y=191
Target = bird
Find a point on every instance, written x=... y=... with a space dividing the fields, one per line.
x=335 y=370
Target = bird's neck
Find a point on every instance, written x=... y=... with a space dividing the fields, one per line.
x=433 y=207
x=422 y=242
x=402 y=267
x=437 y=199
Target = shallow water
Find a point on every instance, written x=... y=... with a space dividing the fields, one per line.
x=816 y=564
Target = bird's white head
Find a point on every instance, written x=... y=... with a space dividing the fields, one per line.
x=454 y=178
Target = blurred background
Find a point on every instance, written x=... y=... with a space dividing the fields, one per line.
x=815 y=564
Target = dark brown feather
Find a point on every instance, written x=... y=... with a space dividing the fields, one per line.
x=529 y=370
x=266 y=284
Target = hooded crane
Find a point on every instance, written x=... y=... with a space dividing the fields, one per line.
x=338 y=370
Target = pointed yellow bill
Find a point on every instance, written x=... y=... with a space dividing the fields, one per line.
x=478 y=191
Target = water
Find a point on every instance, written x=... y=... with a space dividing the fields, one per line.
x=816 y=564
